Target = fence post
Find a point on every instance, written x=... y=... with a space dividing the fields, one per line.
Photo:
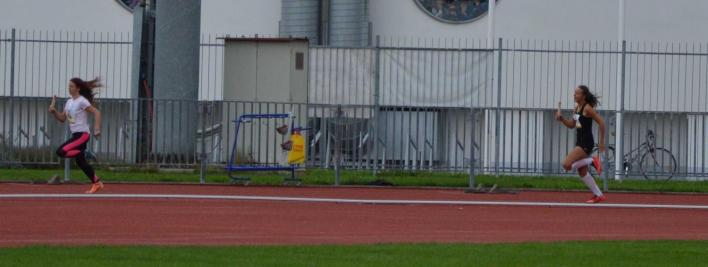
x=377 y=77
x=619 y=158
x=605 y=164
x=67 y=170
x=12 y=64
x=12 y=91
x=67 y=161
x=203 y=154
x=498 y=111
x=337 y=155
x=473 y=121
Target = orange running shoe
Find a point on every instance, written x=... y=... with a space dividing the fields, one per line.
x=97 y=186
x=596 y=163
x=596 y=199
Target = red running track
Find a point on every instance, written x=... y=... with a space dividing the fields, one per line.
x=125 y=221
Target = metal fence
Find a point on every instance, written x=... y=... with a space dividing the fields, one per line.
x=39 y=63
x=361 y=137
x=402 y=104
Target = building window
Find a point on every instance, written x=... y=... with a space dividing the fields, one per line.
x=454 y=11
x=129 y=4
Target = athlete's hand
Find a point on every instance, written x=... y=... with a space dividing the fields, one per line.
x=601 y=148
x=97 y=133
x=52 y=106
x=558 y=112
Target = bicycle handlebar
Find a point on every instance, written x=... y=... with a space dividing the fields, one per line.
x=651 y=136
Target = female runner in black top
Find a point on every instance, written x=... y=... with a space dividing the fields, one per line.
x=579 y=157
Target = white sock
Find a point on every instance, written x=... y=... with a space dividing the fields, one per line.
x=581 y=163
x=590 y=183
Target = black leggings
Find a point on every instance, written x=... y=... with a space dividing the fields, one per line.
x=74 y=148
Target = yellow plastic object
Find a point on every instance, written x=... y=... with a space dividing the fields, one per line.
x=297 y=153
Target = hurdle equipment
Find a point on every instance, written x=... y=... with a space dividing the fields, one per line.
x=263 y=136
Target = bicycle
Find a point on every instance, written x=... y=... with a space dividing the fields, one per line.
x=655 y=163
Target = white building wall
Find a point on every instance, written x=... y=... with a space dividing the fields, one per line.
x=234 y=17
x=71 y=15
x=645 y=20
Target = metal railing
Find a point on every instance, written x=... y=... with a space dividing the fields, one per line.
x=401 y=104
x=183 y=133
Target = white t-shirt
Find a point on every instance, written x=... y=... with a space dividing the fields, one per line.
x=76 y=114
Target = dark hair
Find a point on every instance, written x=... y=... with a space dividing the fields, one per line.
x=86 y=87
x=590 y=98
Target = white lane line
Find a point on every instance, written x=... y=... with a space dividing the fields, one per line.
x=353 y=201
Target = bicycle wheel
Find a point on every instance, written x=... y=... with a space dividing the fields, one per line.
x=608 y=164
x=658 y=164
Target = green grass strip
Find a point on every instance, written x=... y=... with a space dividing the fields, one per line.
x=326 y=177
x=610 y=253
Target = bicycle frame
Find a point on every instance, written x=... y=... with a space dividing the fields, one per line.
x=635 y=154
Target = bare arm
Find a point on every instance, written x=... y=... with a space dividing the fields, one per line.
x=591 y=113
x=567 y=122
x=97 y=121
x=61 y=117
x=570 y=123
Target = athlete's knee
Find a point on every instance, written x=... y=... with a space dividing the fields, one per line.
x=60 y=152
x=567 y=166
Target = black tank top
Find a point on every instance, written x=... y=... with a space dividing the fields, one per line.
x=584 y=133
